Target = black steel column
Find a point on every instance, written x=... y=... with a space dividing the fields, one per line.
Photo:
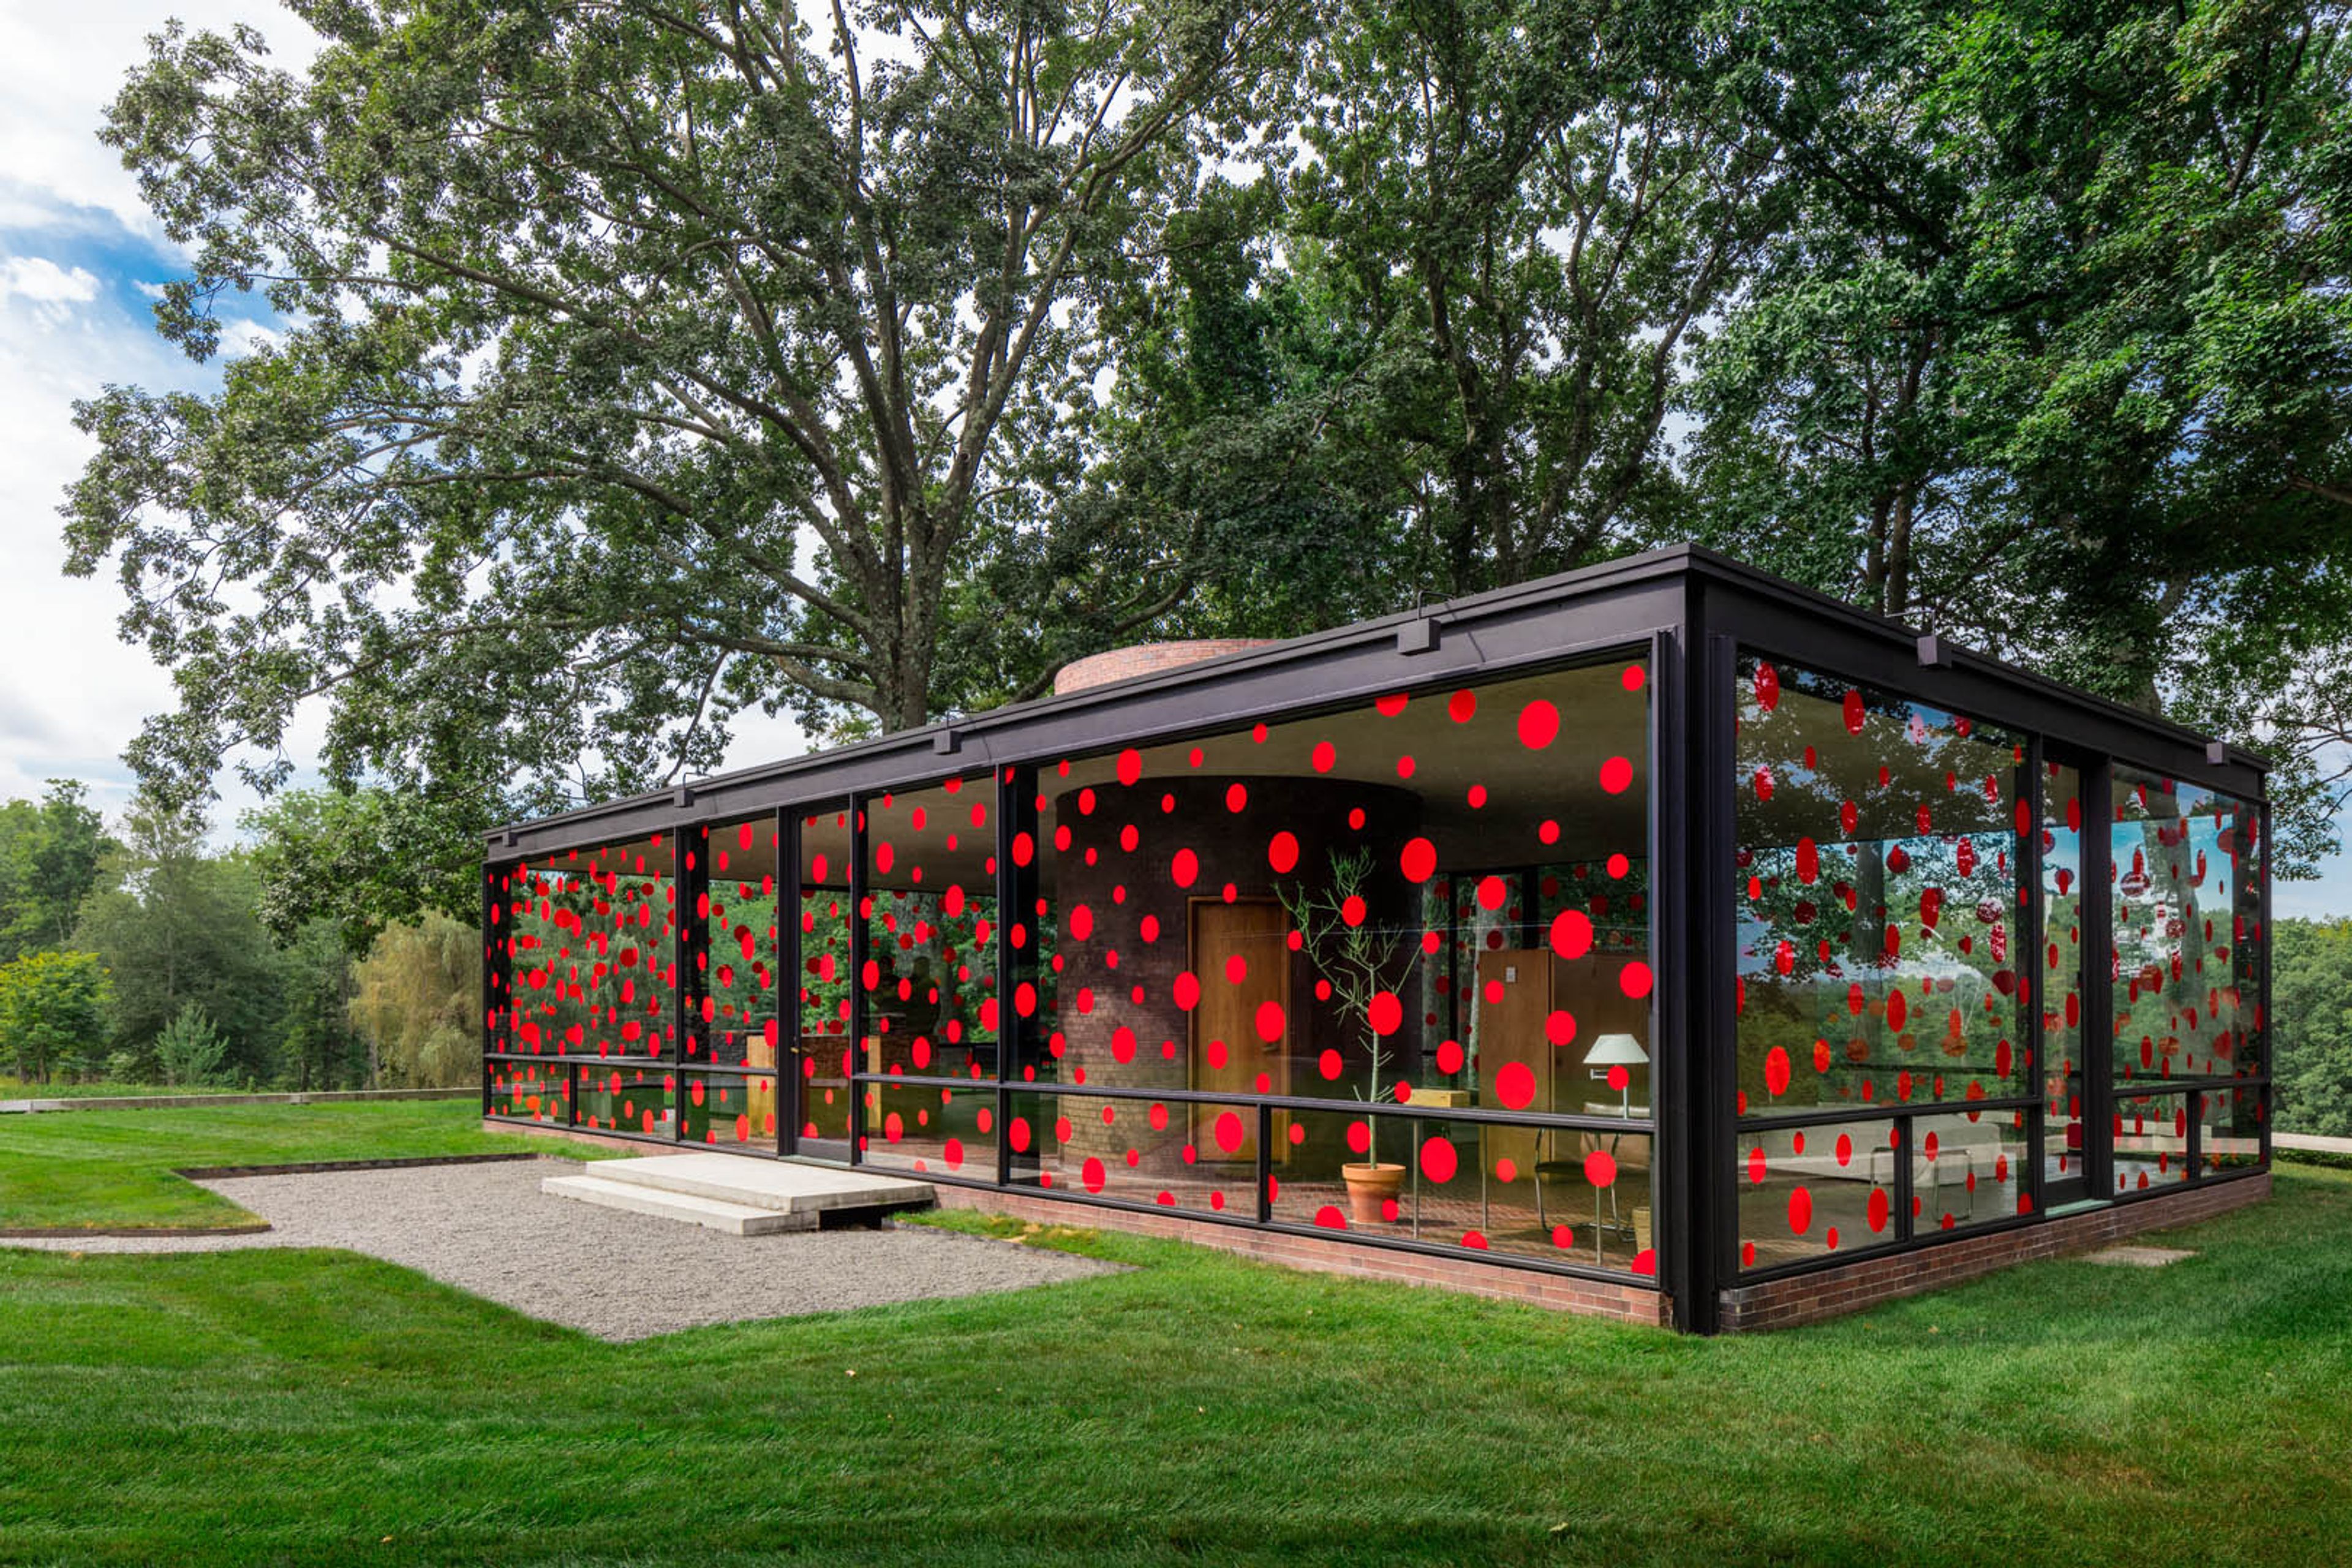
x=1701 y=1025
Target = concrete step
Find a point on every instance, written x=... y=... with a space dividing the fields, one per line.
x=711 y=1214
x=783 y=1185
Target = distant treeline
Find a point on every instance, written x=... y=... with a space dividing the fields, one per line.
x=141 y=956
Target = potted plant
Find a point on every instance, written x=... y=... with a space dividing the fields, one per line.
x=1360 y=960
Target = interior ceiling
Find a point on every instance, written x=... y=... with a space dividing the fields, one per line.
x=1599 y=718
x=1560 y=782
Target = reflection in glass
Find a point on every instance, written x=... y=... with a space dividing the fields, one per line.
x=1876 y=861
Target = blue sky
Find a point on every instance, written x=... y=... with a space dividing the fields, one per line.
x=79 y=257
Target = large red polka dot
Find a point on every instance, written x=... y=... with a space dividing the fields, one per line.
x=1462 y=706
x=1229 y=1133
x=1560 y=1026
x=1184 y=869
x=1359 y=1137
x=1386 y=1013
x=1616 y=775
x=1571 y=933
x=1328 y=1064
x=1323 y=757
x=1130 y=765
x=1186 y=990
x=1091 y=1174
x=1800 y=1210
x=1539 y=724
x=1515 y=1085
x=1438 y=1160
x=952 y=1151
x=1282 y=852
x=1492 y=891
x=1634 y=979
x=1776 y=1071
x=1449 y=1055
x=1270 y=1021
x=1419 y=859
x=1600 y=1168
x=1330 y=1217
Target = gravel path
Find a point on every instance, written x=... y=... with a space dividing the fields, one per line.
x=488 y=1230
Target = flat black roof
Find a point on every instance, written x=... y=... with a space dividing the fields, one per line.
x=1661 y=595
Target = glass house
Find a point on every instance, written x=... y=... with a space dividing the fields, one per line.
x=1661 y=926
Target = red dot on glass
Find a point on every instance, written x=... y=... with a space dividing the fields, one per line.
x=1616 y=775
x=1462 y=706
x=1539 y=724
x=1418 y=859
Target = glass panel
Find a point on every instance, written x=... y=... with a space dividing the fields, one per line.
x=730 y=1109
x=2151 y=1140
x=930 y=1129
x=2232 y=1137
x=1556 y=1194
x=2188 y=931
x=735 y=957
x=591 y=943
x=1175 y=1155
x=2063 y=978
x=1805 y=1191
x=930 y=919
x=630 y=1097
x=1876 y=857
x=531 y=1091
x=1434 y=899
x=823 y=1056
x=1969 y=1168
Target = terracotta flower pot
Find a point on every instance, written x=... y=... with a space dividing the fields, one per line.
x=1369 y=1189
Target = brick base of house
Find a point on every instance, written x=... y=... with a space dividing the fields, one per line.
x=1831 y=1293
x=1593 y=1298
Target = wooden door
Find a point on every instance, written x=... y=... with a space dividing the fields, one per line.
x=1511 y=1032
x=1228 y=1054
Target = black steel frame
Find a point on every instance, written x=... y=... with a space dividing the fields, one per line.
x=1693 y=613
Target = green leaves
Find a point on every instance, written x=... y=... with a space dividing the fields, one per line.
x=638 y=366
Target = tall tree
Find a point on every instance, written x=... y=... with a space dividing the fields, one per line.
x=177 y=925
x=417 y=1002
x=641 y=363
x=50 y=853
x=2056 y=354
x=52 y=1011
x=1535 y=206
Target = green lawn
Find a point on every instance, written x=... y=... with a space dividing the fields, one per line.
x=113 y=1168
x=283 y=1407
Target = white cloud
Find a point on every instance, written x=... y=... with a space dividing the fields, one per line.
x=42 y=283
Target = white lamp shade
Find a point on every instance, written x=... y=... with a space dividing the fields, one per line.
x=1616 y=1050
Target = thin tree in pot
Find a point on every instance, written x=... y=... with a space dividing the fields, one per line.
x=1362 y=959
